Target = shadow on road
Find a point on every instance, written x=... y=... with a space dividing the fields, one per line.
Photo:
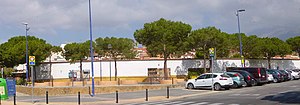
x=292 y=97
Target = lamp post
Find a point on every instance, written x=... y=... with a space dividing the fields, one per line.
x=109 y=47
x=26 y=30
x=240 y=37
x=91 y=49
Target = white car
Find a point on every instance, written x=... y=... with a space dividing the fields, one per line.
x=219 y=81
x=270 y=77
x=295 y=74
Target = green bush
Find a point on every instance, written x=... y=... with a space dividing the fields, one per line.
x=21 y=81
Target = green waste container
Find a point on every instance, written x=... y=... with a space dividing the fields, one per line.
x=3 y=89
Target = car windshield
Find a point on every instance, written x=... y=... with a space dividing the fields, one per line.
x=229 y=74
x=224 y=75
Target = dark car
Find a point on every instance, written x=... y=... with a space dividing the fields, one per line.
x=285 y=75
x=259 y=73
x=248 y=78
x=278 y=77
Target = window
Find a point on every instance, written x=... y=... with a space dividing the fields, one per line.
x=201 y=77
x=208 y=76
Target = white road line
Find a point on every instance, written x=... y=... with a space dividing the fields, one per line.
x=233 y=104
x=216 y=104
x=147 y=103
x=170 y=103
x=201 y=103
x=182 y=103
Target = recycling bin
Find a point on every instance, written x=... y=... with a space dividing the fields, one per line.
x=3 y=89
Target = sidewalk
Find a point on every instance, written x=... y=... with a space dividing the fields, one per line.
x=108 y=99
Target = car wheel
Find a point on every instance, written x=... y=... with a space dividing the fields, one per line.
x=217 y=86
x=275 y=80
x=254 y=83
x=235 y=85
x=190 y=86
x=293 y=78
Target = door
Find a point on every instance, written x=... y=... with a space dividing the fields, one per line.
x=200 y=80
x=207 y=81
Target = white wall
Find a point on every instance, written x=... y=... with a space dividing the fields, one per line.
x=140 y=67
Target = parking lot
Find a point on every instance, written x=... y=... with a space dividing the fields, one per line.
x=268 y=94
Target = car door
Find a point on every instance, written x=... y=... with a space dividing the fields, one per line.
x=200 y=80
x=207 y=81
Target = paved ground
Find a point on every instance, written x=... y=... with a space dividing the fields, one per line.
x=103 y=99
x=269 y=94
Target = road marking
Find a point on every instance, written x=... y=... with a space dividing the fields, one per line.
x=147 y=103
x=244 y=95
x=183 y=103
x=168 y=103
x=216 y=104
x=233 y=104
x=201 y=103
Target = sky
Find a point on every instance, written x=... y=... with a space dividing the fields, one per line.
x=66 y=21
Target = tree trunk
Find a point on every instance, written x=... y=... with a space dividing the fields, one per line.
x=269 y=62
x=165 y=64
x=116 y=73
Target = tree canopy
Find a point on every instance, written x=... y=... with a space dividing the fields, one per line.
x=294 y=42
x=120 y=47
x=163 y=37
x=13 y=52
x=209 y=37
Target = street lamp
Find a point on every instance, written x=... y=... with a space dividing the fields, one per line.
x=91 y=49
x=109 y=47
x=240 y=37
x=26 y=30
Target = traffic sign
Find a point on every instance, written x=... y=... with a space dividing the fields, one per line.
x=211 y=52
x=31 y=60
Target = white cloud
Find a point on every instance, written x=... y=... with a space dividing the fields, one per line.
x=48 y=18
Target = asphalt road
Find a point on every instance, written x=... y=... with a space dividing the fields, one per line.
x=268 y=94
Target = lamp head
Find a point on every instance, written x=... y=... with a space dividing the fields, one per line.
x=241 y=10
x=24 y=23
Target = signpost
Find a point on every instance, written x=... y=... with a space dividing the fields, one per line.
x=32 y=63
x=212 y=54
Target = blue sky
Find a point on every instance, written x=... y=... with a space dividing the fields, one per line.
x=65 y=21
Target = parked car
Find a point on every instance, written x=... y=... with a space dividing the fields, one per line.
x=295 y=75
x=248 y=78
x=259 y=73
x=297 y=71
x=270 y=76
x=277 y=76
x=238 y=79
x=285 y=75
x=220 y=80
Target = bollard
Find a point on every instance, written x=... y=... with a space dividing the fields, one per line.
x=14 y=99
x=146 y=94
x=172 y=81
x=119 y=81
x=117 y=97
x=168 y=92
x=46 y=97
x=15 y=103
x=78 y=98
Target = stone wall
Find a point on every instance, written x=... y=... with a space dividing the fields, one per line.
x=58 y=91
